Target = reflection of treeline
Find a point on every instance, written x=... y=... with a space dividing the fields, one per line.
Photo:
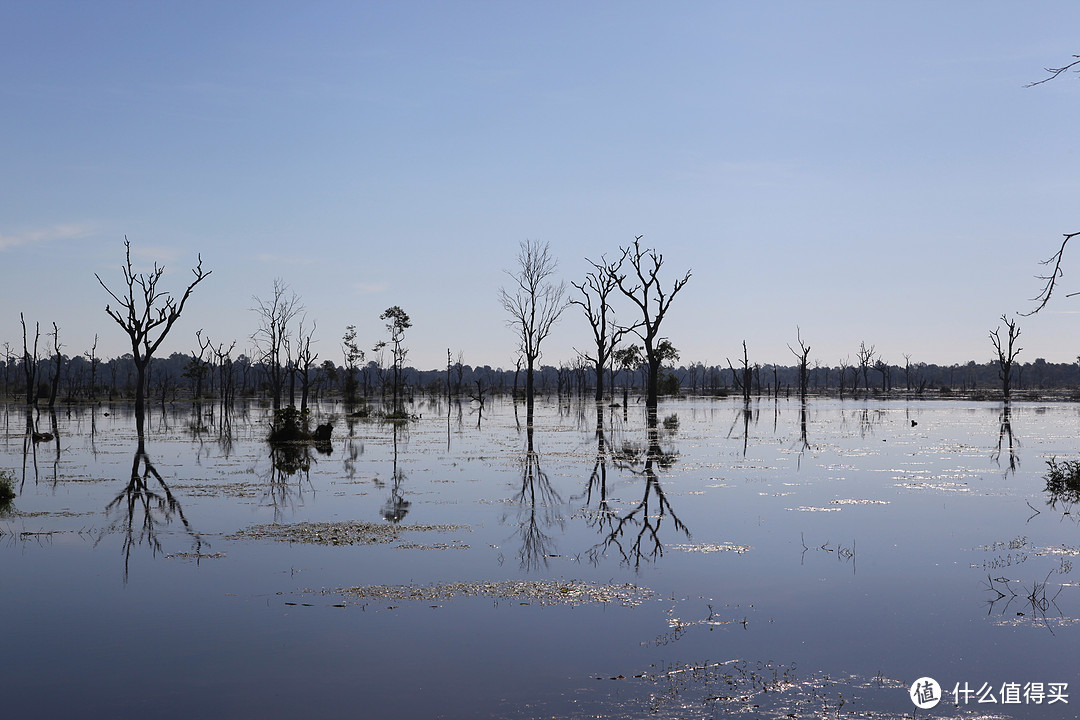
x=184 y=376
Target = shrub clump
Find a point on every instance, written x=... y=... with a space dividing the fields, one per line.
x=1063 y=480
x=7 y=490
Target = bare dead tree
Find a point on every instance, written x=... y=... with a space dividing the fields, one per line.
x=30 y=362
x=534 y=306
x=92 y=358
x=802 y=354
x=641 y=284
x=8 y=357
x=226 y=386
x=1054 y=72
x=595 y=290
x=305 y=360
x=1006 y=352
x=198 y=367
x=276 y=314
x=146 y=314
x=1050 y=281
x=866 y=359
x=58 y=360
x=743 y=380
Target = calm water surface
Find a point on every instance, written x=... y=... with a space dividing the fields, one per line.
x=785 y=561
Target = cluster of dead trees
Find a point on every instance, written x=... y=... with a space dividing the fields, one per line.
x=535 y=302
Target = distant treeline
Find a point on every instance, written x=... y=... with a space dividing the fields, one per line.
x=182 y=376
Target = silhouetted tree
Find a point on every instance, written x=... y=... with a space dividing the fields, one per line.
x=1006 y=352
x=883 y=367
x=625 y=359
x=143 y=311
x=745 y=378
x=534 y=306
x=275 y=316
x=92 y=358
x=58 y=360
x=397 y=323
x=866 y=359
x=305 y=361
x=353 y=357
x=30 y=362
x=802 y=354
x=1054 y=72
x=640 y=283
x=595 y=290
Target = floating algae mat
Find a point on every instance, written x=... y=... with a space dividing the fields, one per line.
x=337 y=533
x=542 y=592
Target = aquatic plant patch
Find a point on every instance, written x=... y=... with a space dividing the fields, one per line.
x=336 y=533
x=540 y=592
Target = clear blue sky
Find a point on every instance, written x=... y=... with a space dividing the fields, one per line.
x=866 y=171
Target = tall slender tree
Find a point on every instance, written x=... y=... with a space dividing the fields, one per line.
x=276 y=315
x=534 y=306
x=802 y=354
x=30 y=361
x=397 y=322
x=595 y=290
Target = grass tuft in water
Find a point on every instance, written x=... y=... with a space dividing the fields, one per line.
x=1063 y=480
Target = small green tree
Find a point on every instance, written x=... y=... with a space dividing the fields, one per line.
x=626 y=359
x=397 y=323
x=353 y=357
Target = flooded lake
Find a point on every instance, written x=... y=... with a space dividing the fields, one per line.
x=783 y=561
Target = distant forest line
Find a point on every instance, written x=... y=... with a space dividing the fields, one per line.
x=183 y=376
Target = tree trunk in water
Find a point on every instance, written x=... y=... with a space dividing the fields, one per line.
x=529 y=391
x=654 y=381
x=140 y=399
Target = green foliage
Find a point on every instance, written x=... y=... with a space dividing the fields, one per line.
x=353 y=357
x=627 y=358
x=666 y=352
x=669 y=384
x=289 y=425
x=7 y=491
x=1063 y=481
x=671 y=423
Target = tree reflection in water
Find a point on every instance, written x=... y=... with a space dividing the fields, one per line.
x=1006 y=439
x=538 y=508
x=290 y=473
x=745 y=415
x=602 y=516
x=143 y=509
x=396 y=507
x=636 y=534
